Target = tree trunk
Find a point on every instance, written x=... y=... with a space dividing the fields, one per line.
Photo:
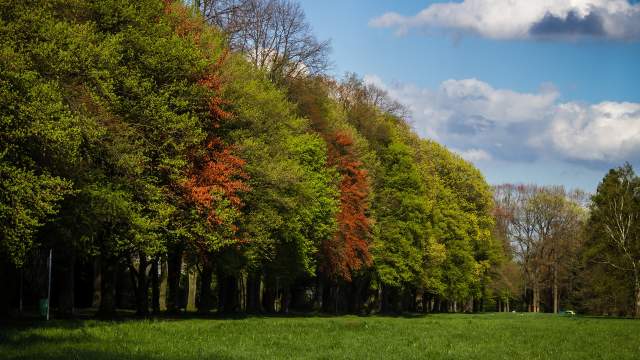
x=286 y=299
x=155 y=287
x=227 y=293
x=556 y=295
x=67 y=285
x=536 y=298
x=253 y=292
x=318 y=301
x=206 y=297
x=193 y=284
x=268 y=299
x=384 y=300
x=298 y=298
x=359 y=286
x=637 y=293
x=97 y=283
x=107 y=287
x=6 y=290
x=141 y=285
x=438 y=304
x=162 y=296
x=174 y=267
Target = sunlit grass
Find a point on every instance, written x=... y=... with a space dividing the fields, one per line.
x=487 y=336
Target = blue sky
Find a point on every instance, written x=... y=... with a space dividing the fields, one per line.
x=522 y=96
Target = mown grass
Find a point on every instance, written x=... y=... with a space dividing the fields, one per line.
x=486 y=336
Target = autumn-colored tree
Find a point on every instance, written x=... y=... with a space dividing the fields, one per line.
x=214 y=182
x=216 y=175
x=215 y=179
x=348 y=251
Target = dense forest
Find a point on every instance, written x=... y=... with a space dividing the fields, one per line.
x=196 y=156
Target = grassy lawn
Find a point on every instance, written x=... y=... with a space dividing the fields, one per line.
x=487 y=336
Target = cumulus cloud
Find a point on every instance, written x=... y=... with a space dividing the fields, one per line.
x=483 y=123
x=601 y=132
x=525 y=19
x=474 y=155
x=469 y=106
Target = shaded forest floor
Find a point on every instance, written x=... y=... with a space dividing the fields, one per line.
x=442 y=336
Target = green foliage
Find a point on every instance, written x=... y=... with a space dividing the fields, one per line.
x=26 y=202
x=400 y=210
x=291 y=208
x=109 y=111
x=612 y=251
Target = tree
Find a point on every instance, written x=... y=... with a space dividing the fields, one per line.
x=543 y=224
x=273 y=34
x=614 y=225
x=348 y=251
x=400 y=209
x=462 y=202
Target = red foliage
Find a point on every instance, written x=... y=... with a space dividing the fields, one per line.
x=184 y=23
x=212 y=81
x=348 y=250
x=215 y=174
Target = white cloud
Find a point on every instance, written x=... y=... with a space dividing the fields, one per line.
x=607 y=131
x=474 y=97
x=469 y=104
x=474 y=155
x=485 y=123
x=522 y=19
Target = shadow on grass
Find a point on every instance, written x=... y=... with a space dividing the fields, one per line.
x=80 y=319
x=107 y=355
x=16 y=344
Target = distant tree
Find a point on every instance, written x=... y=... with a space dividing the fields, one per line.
x=273 y=34
x=615 y=226
x=543 y=224
x=354 y=90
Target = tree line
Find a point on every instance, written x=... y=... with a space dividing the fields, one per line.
x=569 y=250
x=195 y=156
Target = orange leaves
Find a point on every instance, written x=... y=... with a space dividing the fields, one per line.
x=343 y=139
x=216 y=177
x=213 y=82
x=185 y=24
x=348 y=250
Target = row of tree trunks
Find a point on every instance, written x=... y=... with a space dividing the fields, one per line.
x=156 y=284
x=503 y=306
x=535 y=304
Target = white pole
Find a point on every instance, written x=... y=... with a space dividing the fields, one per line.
x=49 y=288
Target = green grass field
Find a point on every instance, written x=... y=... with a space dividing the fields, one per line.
x=487 y=336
